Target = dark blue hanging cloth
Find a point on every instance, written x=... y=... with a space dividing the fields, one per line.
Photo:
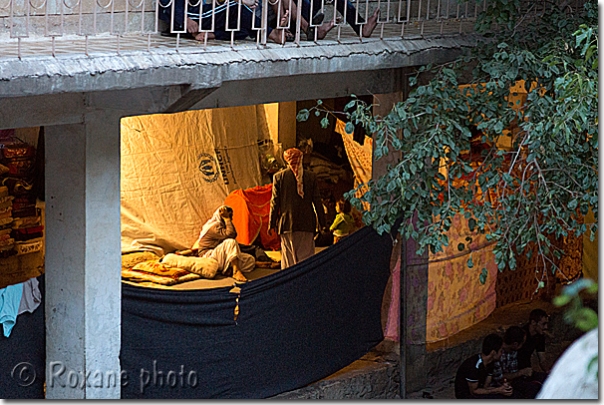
x=294 y=327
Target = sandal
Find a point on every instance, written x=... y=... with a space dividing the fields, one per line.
x=316 y=20
x=289 y=37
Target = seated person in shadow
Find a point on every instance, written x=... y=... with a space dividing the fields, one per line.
x=217 y=240
x=536 y=331
x=195 y=14
x=521 y=380
x=474 y=377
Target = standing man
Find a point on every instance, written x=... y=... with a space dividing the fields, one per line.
x=295 y=208
x=474 y=376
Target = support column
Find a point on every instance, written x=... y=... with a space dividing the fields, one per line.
x=413 y=314
x=83 y=258
x=382 y=105
x=413 y=305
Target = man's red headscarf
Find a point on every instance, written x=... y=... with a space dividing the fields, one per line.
x=293 y=157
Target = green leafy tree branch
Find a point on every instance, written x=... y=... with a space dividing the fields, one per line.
x=519 y=163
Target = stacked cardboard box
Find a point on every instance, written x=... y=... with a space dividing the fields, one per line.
x=7 y=243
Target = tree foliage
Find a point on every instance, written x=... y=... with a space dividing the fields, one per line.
x=582 y=317
x=514 y=148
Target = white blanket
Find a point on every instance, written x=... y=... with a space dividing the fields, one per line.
x=206 y=267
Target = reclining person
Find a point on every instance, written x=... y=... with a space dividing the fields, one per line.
x=194 y=15
x=217 y=241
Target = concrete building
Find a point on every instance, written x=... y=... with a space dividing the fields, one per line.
x=78 y=69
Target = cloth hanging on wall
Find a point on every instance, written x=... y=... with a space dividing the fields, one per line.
x=456 y=298
x=293 y=327
x=10 y=298
x=392 y=323
x=359 y=156
x=176 y=169
x=32 y=297
x=590 y=252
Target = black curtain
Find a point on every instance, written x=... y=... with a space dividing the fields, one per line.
x=294 y=327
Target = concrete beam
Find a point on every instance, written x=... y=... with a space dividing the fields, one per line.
x=83 y=280
x=23 y=112
x=210 y=68
x=136 y=101
x=287 y=125
x=71 y=108
x=302 y=87
x=190 y=96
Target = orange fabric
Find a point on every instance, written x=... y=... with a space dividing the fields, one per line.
x=251 y=208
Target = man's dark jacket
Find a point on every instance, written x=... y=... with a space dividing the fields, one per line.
x=290 y=212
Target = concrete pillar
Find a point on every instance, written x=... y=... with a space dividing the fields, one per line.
x=287 y=124
x=382 y=105
x=272 y=120
x=83 y=258
x=414 y=309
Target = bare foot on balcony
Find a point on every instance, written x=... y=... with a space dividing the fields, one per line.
x=201 y=36
x=324 y=28
x=371 y=23
x=279 y=35
x=193 y=30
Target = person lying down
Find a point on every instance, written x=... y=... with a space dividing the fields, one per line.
x=217 y=241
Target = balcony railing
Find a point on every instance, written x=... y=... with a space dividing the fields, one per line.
x=60 y=27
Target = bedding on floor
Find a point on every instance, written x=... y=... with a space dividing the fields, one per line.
x=141 y=267
x=147 y=269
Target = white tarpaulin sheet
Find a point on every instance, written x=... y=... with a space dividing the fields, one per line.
x=177 y=169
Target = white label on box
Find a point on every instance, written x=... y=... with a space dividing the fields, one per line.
x=29 y=247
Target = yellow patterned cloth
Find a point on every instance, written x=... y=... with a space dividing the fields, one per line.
x=456 y=297
x=359 y=156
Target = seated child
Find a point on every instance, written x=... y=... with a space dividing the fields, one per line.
x=343 y=224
